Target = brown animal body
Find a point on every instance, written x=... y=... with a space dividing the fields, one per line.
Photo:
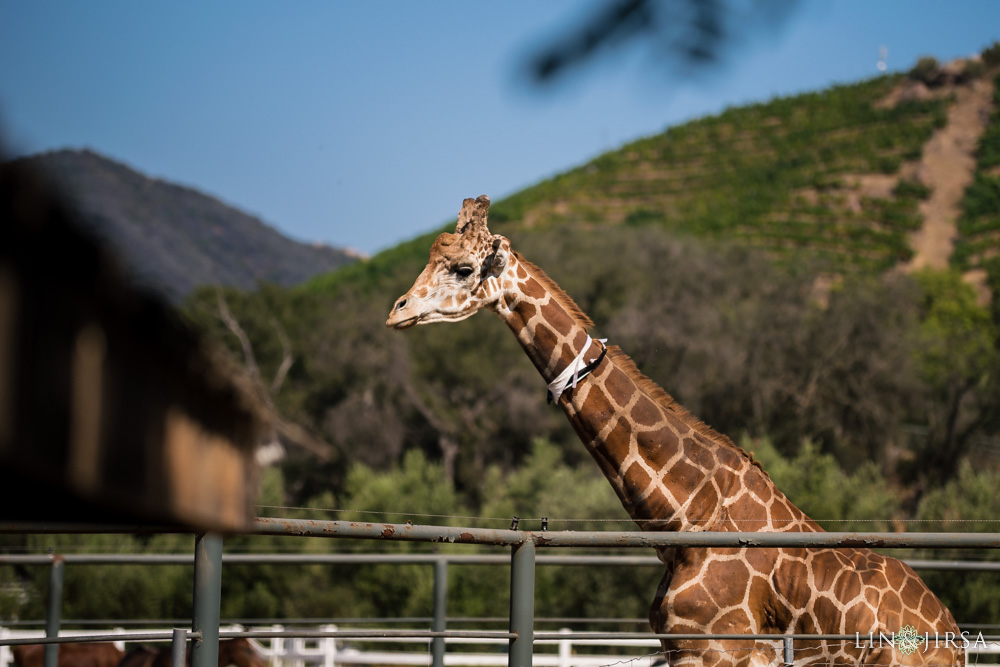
x=672 y=472
x=238 y=651
x=97 y=654
x=141 y=656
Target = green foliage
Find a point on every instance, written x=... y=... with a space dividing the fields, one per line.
x=546 y=485
x=991 y=54
x=959 y=361
x=642 y=217
x=927 y=70
x=911 y=189
x=575 y=498
x=982 y=198
x=11 y=592
x=572 y=497
x=973 y=69
x=416 y=491
x=979 y=224
x=736 y=339
x=957 y=334
x=838 y=500
x=417 y=483
x=89 y=592
x=967 y=503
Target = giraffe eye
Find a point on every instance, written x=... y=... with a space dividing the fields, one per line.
x=464 y=271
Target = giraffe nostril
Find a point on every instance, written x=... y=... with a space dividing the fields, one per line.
x=400 y=304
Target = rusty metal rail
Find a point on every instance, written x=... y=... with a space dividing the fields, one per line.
x=116 y=637
x=412 y=559
x=552 y=538
x=606 y=539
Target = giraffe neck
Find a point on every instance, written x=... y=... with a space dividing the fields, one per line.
x=670 y=471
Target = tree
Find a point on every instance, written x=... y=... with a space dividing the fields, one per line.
x=969 y=502
x=838 y=500
x=959 y=361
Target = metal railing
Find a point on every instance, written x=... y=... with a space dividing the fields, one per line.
x=208 y=561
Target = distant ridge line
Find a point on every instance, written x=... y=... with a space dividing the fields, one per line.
x=175 y=238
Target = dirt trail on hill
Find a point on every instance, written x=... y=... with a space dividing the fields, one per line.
x=946 y=166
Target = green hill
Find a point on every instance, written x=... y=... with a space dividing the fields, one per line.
x=834 y=178
x=784 y=176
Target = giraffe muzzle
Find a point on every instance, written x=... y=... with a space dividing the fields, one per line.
x=400 y=317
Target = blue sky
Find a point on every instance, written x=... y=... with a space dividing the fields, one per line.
x=364 y=124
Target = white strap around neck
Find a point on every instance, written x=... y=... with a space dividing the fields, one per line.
x=573 y=373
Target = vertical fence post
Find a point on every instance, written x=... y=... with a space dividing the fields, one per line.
x=329 y=645
x=5 y=655
x=278 y=648
x=53 y=610
x=565 y=649
x=440 y=610
x=522 y=603
x=178 y=648
x=207 y=599
x=789 y=651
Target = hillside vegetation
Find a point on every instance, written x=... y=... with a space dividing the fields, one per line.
x=744 y=260
x=978 y=244
x=785 y=176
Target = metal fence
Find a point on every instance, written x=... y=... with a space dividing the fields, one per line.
x=521 y=635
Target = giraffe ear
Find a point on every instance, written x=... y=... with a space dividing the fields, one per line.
x=472 y=217
x=501 y=254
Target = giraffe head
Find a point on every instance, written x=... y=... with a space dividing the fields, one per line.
x=462 y=274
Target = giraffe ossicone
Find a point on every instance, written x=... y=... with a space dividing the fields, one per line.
x=672 y=472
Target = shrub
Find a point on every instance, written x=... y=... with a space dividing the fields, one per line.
x=644 y=216
x=973 y=70
x=991 y=54
x=927 y=70
x=909 y=189
x=889 y=164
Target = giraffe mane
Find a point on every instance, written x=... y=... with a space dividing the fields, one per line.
x=627 y=366
x=563 y=299
x=669 y=403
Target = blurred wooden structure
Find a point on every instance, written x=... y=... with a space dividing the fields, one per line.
x=111 y=409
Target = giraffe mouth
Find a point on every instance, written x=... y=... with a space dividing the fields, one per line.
x=399 y=324
x=402 y=324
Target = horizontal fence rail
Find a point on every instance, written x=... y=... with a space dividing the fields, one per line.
x=411 y=559
x=549 y=538
x=606 y=539
x=157 y=636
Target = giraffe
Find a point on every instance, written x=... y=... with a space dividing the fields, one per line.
x=673 y=472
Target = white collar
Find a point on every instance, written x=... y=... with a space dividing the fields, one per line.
x=576 y=371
